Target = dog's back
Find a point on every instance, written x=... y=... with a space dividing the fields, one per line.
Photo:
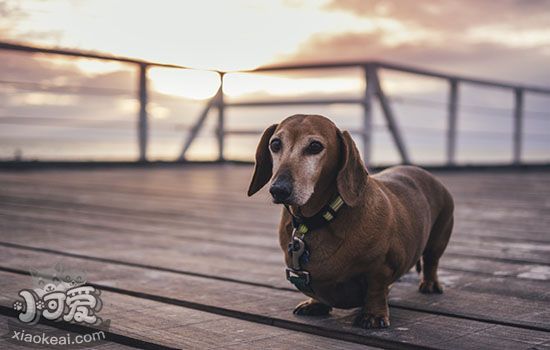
x=418 y=191
x=407 y=182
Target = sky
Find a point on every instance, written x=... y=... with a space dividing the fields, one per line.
x=504 y=40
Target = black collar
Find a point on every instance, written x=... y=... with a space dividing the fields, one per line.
x=303 y=224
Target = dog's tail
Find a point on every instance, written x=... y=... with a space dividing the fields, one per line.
x=418 y=266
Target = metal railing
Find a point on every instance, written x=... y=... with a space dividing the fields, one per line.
x=142 y=92
x=373 y=91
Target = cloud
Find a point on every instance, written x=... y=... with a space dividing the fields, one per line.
x=9 y=9
x=12 y=14
x=482 y=59
x=451 y=15
x=9 y=13
x=504 y=39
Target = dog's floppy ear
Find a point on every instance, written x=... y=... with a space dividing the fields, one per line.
x=264 y=164
x=352 y=176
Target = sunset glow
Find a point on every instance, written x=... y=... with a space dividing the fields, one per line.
x=45 y=95
x=243 y=34
x=226 y=35
x=192 y=84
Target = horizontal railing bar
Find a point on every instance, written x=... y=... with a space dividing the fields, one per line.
x=505 y=112
x=294 y=102
x=404 y=69
x=310 y=66
x=246 y=132
x=440 y=130
x=83 y=54
x=462 y=79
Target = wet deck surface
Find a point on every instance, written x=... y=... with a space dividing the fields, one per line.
x=185 y=260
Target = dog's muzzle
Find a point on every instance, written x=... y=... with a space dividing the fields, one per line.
x=281 y=189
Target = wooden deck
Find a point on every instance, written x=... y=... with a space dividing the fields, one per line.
x=185 y=260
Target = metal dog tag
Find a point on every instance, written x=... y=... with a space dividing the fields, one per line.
x=295 y=249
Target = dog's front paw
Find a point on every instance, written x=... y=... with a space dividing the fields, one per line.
x=430 y=287
x=312 y=307
x=369 y=321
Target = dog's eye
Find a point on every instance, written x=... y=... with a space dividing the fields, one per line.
x=275 y=145
x=314 y=147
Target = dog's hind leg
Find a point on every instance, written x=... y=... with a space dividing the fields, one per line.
x=439 y=237
x=312 y=307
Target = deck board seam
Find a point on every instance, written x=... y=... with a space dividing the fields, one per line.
x=93 y=209
x=371 y=340
x=231 y=280
x=109 y=260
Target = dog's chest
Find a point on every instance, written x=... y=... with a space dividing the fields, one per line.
x=334 y=280
x=324 y=258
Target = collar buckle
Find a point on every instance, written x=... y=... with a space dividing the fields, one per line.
x=300 y=278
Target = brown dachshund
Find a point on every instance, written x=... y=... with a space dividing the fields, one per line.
x=387 y=224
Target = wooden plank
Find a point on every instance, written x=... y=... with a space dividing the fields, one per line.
x=509 y=339
x=535 y=253
x=218 y=230
x=495 y=221
x=516 y=225
x=511 y=226
x=70 y=208
x=473 y=185
x=490 y=225
x=495 y=277
x=522 y=306
x=177 y=327
x=242 y=245
x=244 y=227
x=258 y=303
x=265 y=244
x=217 y=233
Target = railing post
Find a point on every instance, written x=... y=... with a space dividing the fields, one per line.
x=451 y=127
x=194 y=131
x=518 y=125
x=142 y=121
x=221 y=121
x=390 y=119
x=370 y=91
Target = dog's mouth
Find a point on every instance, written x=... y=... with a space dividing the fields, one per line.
x=286 y=201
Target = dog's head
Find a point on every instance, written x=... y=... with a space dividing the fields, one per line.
x=304 y=154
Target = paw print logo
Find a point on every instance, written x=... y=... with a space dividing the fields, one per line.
x=50 y=287
x=18 y=306
x=40 y=305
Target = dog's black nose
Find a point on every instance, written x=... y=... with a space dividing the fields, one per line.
x=281 y=189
